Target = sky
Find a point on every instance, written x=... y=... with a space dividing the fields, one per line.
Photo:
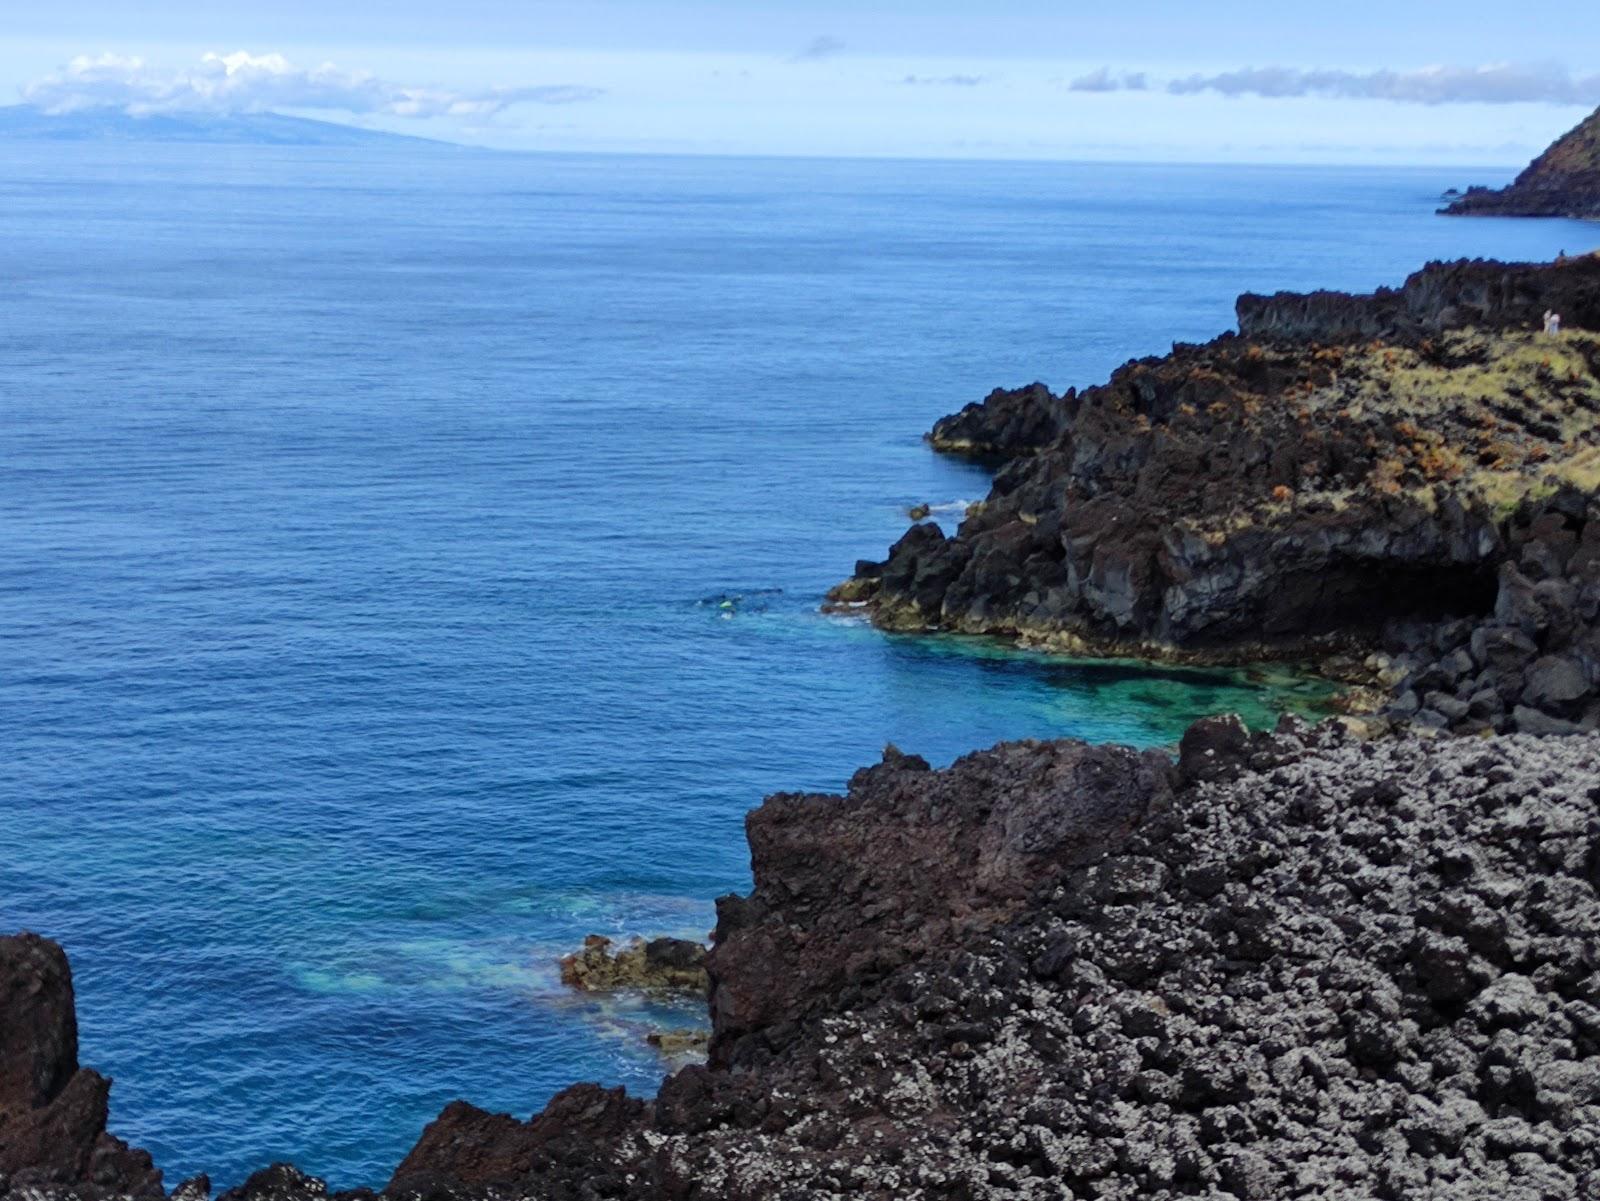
x=1469 y=82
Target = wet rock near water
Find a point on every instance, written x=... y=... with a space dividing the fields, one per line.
x=1293 y=966
x=1290 y=965
x=662 y=965
x=1345 y=468
x=682 y=1044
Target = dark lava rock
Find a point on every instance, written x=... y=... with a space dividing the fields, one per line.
x=1214 y=748
x=1480 y=293
x=1299 y=966
x=1007 y=423
x=1564 y=181
x=280 y=1182
x=52 y=1112
x=465 y=1148
x=1413 y=469
x=854 y=887
x=1333 y=970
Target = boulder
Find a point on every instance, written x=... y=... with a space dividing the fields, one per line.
x=1555 y=683
x=662 y=965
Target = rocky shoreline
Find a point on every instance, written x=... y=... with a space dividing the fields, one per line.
x=1292 y=965
x=1564 y=181
x=1399 y=485
x=1297 y=964
x=662 y=965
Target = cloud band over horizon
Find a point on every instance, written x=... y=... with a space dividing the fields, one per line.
x=225 y=84
x=1503 y=83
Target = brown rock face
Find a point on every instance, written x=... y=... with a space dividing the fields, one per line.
x=39 y=1041
x=848 y=889
x=468 y=1149
x=53 y=1113
x=1564 y=181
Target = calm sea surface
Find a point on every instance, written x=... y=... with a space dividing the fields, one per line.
x=365 y=523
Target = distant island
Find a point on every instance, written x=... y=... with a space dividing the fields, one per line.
x=23 y=122
x=1564 y=181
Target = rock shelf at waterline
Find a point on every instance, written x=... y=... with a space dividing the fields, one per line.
x=1410 y=474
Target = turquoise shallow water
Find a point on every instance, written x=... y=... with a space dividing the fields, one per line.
x=365 y=522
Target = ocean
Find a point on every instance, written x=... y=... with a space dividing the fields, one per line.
x=412 y=559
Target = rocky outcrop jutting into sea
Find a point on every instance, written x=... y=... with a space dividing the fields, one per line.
x=52 y=1112
x=662 y=965
x=1406 y=473
x=1290 y=966
x=1564 y=181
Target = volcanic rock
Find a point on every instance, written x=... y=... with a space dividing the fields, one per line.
x=1564 y=181
x=466 y=1150
x=1414 y=471
x=1295 y=966
x=850 y=888
x=1302 y=967
x=1007 y=423
x=52 y=1112
x=663 y=965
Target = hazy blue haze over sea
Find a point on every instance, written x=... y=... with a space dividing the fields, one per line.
x=358 y=518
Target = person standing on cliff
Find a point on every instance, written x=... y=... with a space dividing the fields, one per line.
x=1552 y=322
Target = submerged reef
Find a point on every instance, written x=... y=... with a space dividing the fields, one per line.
x=1410 y=474
x=1292 y=965
x=1564 y=181
x=662 y=965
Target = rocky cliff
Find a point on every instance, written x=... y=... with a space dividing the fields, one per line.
x=1564 y=181
x=1289 y=966
x=1348 y=474
x=52 y=1112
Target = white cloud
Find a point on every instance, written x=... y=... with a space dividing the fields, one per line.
x=243 y=83
x=1104 y=80
x=1548 y=83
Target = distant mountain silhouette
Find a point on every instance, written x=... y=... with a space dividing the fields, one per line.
x=23 y=121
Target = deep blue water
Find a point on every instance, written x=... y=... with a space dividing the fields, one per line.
x=358 y=520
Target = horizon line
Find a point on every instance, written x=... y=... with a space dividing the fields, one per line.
x=428 y=140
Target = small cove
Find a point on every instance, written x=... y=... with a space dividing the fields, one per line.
x=369 y=526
